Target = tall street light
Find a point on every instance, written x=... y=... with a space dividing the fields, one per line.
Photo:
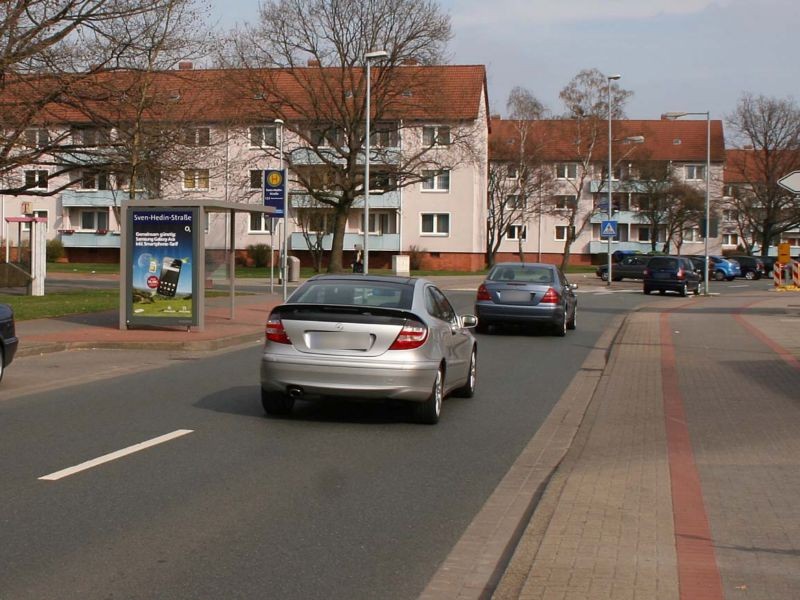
x=707 y=114
x=609 y=79
x=368 y=57
x=283 y=255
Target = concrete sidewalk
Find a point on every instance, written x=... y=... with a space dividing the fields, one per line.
x=684 y=477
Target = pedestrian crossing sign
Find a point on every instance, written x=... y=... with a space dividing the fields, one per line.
x=608 y=229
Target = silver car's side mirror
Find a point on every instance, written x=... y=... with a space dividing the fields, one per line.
x=469 y=321
x=573 y=286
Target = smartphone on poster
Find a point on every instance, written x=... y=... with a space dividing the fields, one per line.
x=170 y=272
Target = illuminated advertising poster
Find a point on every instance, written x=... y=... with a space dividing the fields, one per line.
x=162 y=272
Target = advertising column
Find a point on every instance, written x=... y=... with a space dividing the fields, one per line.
x=162 y=273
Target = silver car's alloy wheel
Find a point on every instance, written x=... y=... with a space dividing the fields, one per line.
x=428 y=412
x=561 y=328
x=573 y=322
x=468 y=390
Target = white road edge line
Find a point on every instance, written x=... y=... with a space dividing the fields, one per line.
x=115 y=455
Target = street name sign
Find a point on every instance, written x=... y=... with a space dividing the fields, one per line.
x=791 y=182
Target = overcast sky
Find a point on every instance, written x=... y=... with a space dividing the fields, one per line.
x=675 y=55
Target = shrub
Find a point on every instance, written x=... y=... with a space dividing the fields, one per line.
x=415 y=256
x=54 y=250
x=259 y=254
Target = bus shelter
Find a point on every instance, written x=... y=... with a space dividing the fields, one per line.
x=162 y=260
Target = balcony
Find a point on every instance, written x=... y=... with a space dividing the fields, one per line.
x=626 y=186
x=622 y=216
x=387 y=200
x=91 y=198
x=89 y=239
x=387 y=242
x=378 y=156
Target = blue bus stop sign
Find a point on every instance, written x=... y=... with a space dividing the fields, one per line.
x=274 y=182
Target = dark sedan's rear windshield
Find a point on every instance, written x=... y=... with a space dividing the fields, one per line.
x=523 y=274
x=355 y=293
x=663 y=262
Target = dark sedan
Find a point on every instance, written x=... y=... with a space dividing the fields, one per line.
x=521 y=293
x=8 y=338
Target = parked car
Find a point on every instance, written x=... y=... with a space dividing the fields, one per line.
x=532 y=293
x=630 y=267
x=368 y=337
x=722 y=268
x=8 y=338
x=672 y=274
x=769 y=264
x=752 y=267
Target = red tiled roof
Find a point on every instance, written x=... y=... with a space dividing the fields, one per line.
x=445 y=92
x=679 y=140
x=749 y=166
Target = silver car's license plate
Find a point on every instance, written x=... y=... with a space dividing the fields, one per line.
x=515 y=296
x=338 y=340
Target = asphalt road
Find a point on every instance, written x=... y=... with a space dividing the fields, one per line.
x=339 y=501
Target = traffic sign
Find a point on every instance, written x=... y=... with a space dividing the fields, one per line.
x=784 y=253
x=608 y=229
x=791 y=182
x=274 y=181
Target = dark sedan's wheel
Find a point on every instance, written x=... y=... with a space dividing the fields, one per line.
x=750 y=275
x=428 y=412
x=573 y=321
x=662 y=292
x=604 y=275
x=468 y=389
x=719 y=275
x=684 y=291
x=275 y=403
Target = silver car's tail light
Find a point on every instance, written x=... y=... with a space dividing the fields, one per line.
x=483 y=294
x=275 y=331
x=412 y=335
x=550 y=297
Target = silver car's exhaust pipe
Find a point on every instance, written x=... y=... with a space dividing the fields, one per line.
x=294 y=392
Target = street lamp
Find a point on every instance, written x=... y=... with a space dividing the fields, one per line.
x=283 y=255
x=671 y=116
x=609 y=79
x=368 y=57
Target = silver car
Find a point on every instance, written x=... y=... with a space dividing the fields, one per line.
x=368 y=337
x=535 y=293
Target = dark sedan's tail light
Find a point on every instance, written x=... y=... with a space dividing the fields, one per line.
x=681 y=273
x=550 y=297
x=412 y=335
x=483 y=293
x=647 y=273
x=275 y=331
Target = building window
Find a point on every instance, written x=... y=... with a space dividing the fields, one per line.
x=515 y=202
x=37 y=138
x=197 y=136
x=512 y=172
x=385 y=135
x=91 y=136
x=195 y=179
x=730 y=239
x=565 y=202
x=436 y=135
x=326 y=137
x=124 y=182
x=256 y=179
x=435 y=224
x=264 y=136
x=36 y=213
x=436 y=181
x=730 y=214
x=380 y=223
x=691 y=235
x=260 y=223
x=93 y=220
x=517 y=232
x=567 y=171
x=36 y=180
x=561 y=233
x=695 y=172
x=644 y=234
x=792 y=241
x=383 y=180
x=94 y=180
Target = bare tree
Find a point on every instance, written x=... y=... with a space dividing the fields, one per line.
x=585 y=132
x=768 y=130
x=47 y=50
x=305 y=61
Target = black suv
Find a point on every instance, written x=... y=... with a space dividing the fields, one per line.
x=672 y=274
x=752 y=266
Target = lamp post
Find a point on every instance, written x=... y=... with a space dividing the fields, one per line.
x=368 y=57
x=284 y=253
x=707 y=114
x=609 y=79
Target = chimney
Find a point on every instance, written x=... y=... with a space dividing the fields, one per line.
x=313 y=62
x=185 y=65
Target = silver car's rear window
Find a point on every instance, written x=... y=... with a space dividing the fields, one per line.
x=351 y=293
x=523 y=274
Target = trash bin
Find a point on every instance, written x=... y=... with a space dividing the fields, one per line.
x=293 y=266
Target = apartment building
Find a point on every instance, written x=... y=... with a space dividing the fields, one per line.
x=212 y=133
x=570 y=194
